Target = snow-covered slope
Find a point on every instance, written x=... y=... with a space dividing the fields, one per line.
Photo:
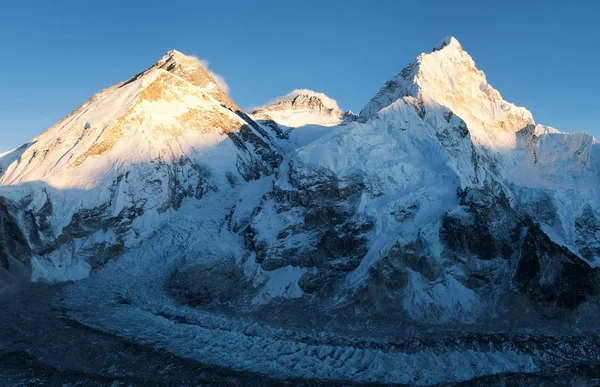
x=171 y=108
x=97 y=179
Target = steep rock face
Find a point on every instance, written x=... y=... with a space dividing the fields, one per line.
x=12 y=239
x=190 y=69
x=551 y=275
x=313 y=214
x=101 y=178
x=341 y=207
x=587 y=231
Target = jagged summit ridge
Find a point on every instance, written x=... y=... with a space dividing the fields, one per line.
x=301 y=102
x=302 y=107
x=300 y=98
x=175 y=100
x=442 y=182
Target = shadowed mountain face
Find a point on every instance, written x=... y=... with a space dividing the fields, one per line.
x=440 y=208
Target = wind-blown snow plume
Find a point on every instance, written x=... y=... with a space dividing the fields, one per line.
x=217 y=77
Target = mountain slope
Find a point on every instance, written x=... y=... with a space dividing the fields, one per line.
x=95 y=180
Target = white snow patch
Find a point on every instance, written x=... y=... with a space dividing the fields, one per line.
x=279 y=283
x=58 y=267
x=440 y=302
x=300 y=118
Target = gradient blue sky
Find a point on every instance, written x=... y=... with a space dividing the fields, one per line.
x=56 y=54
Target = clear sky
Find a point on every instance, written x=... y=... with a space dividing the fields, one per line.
x=543 y=55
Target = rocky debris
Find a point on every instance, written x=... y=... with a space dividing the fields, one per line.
x=390 y=278
x=217 y=283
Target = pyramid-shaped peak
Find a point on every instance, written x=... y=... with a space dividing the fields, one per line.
x=449 y=41
x=448 y=77
x=174 y=55
x=195 y=71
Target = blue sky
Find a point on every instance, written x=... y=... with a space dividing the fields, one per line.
x=56 y=54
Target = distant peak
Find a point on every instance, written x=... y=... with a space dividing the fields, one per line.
x=448 y=41
x=303 y=98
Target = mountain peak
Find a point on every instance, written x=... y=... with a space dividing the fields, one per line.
x=301 y=107
x=175 y=56
x=302 y=99
x=448 y=77
x=196 y=72
x=299 y=97
x=174 y=52
x=449 y=41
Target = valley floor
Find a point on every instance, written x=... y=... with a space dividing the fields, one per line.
x=41 y=346
x=120 y=327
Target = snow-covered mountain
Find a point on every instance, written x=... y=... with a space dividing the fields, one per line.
x=427 y=209
x=303 y=107
x=93 y=183
x=440 y=205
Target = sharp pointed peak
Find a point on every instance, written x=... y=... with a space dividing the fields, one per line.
x=174 y=52
x=177 y=55
x=449 y=41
